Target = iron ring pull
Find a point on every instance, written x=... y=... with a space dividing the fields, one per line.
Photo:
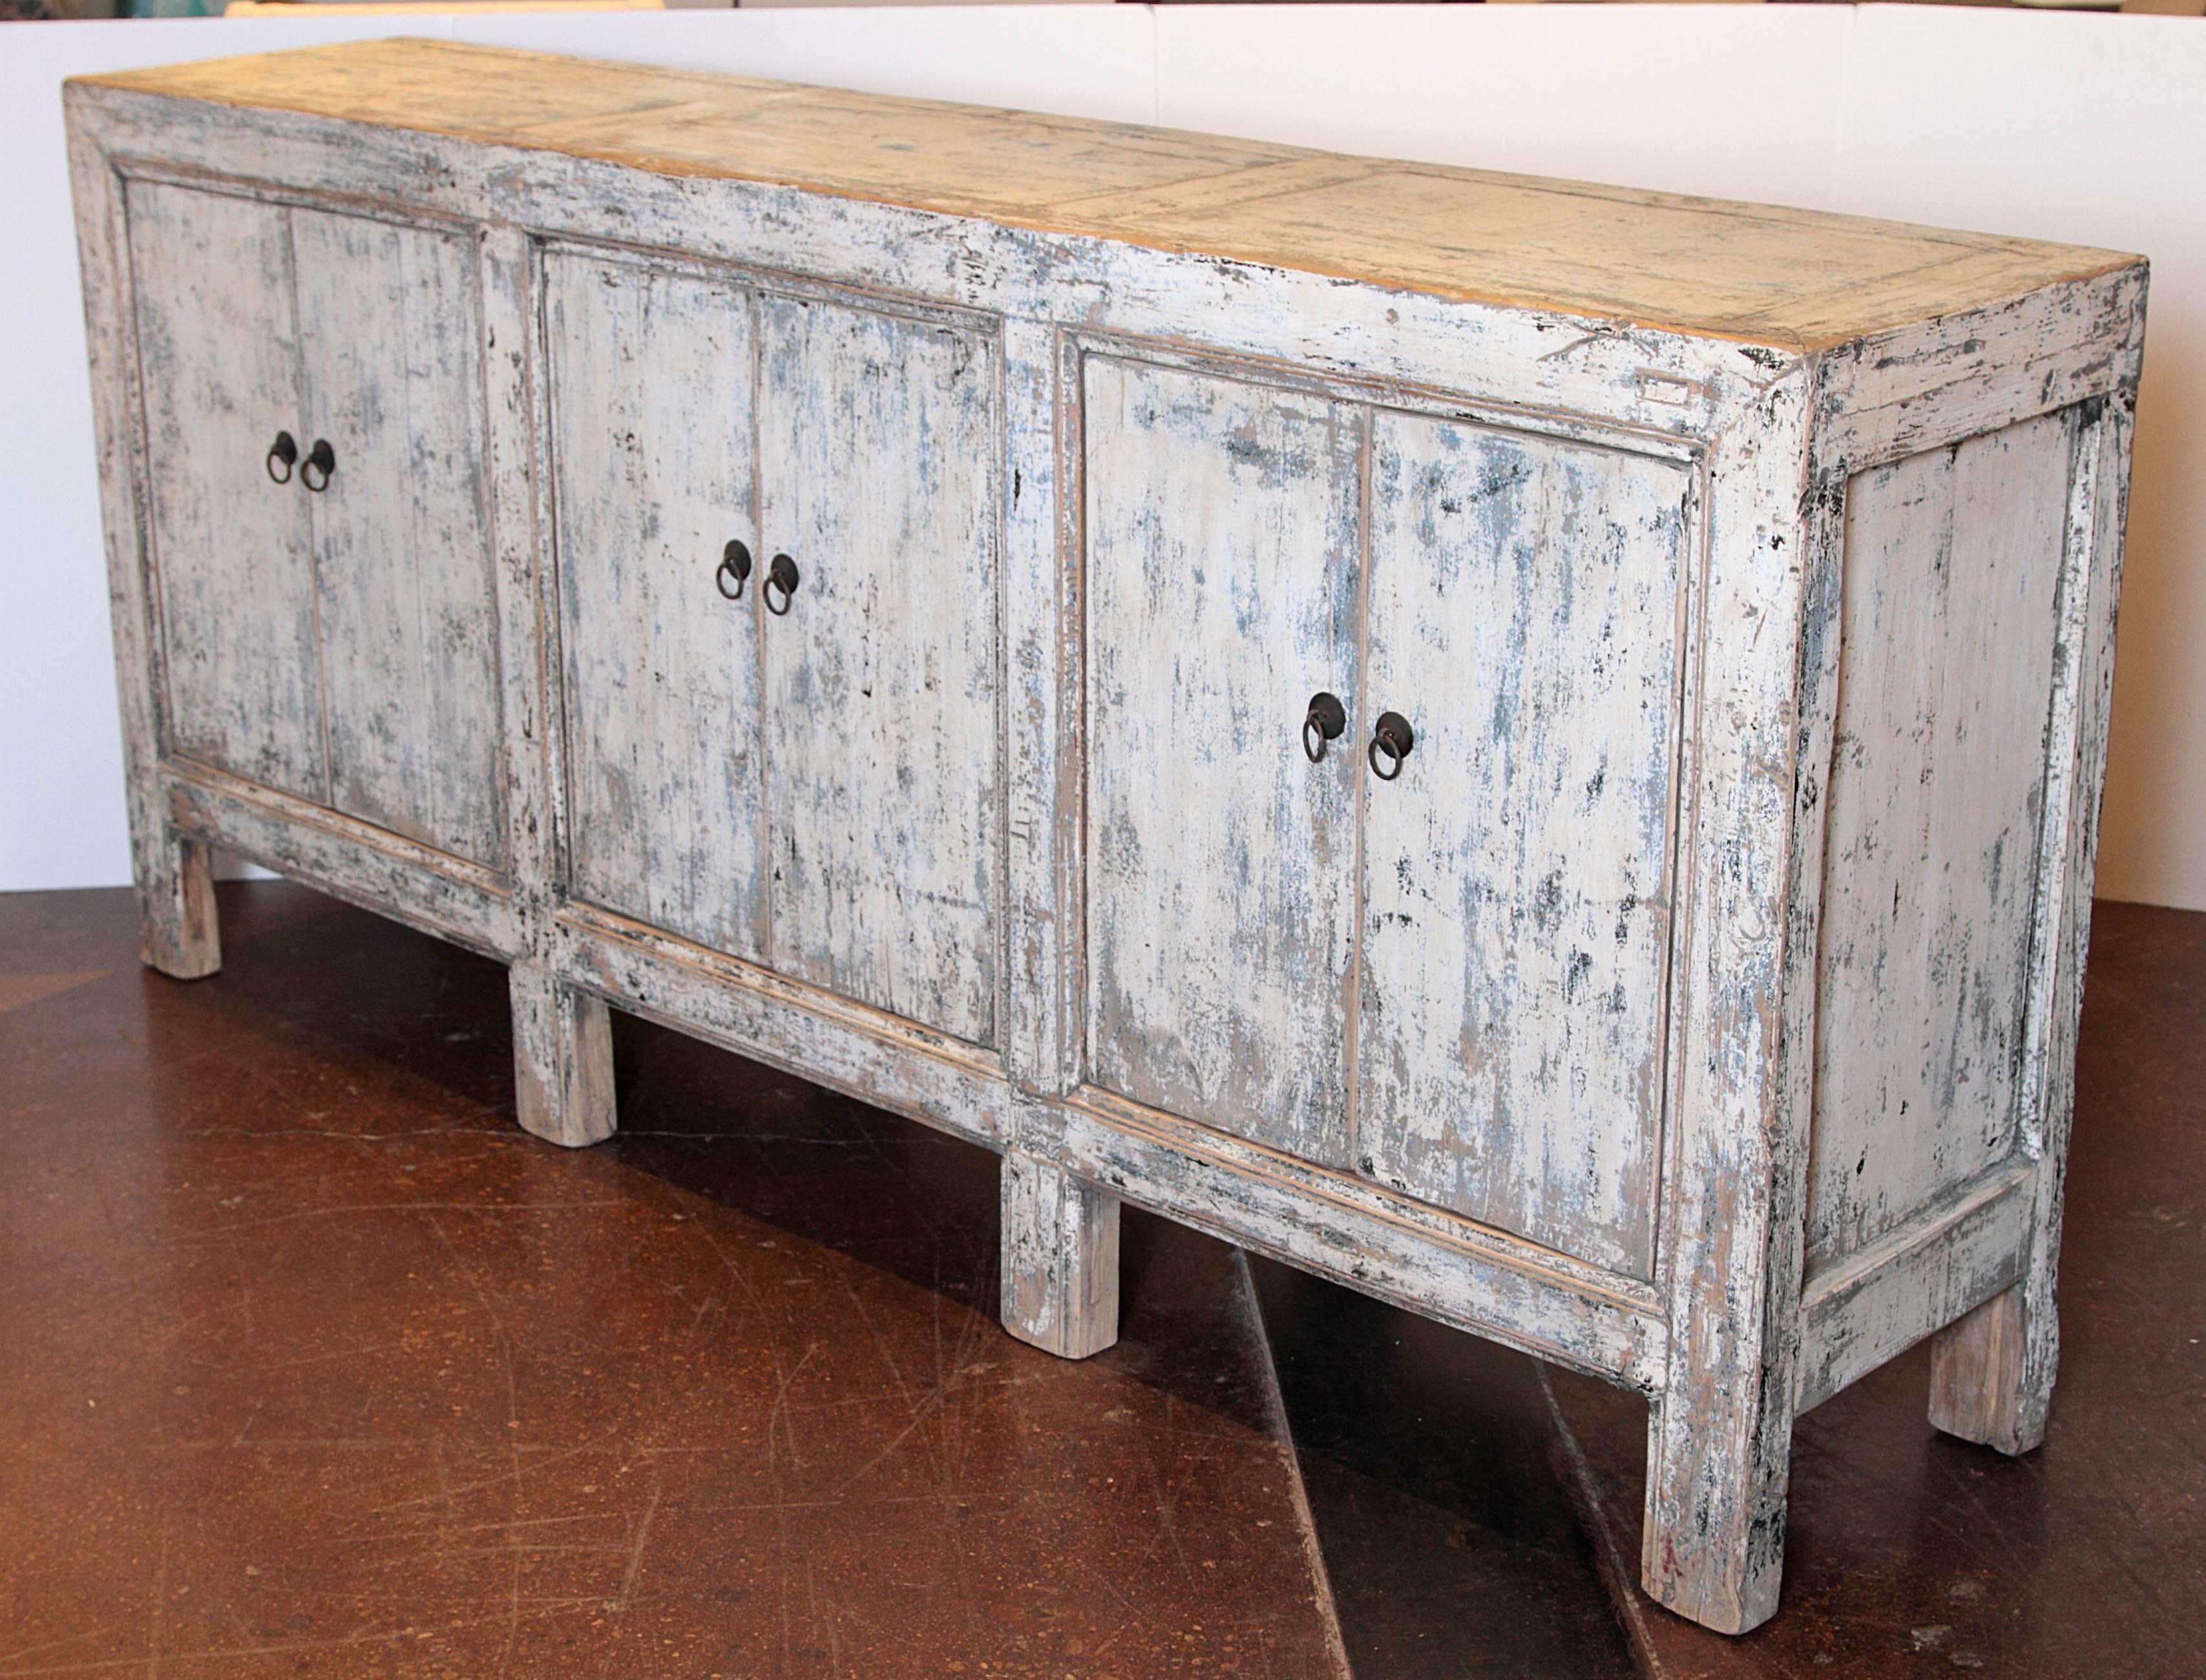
x=1393 y=736
x=780 y=574
x=285 y=451
x=319 y=459
x=735 y=562
x=1327 y=720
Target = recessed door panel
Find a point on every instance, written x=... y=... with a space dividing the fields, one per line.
x=1525 y=619
x=389 y=320
x=1221 y=585
x=877 y=447
x=231 y=549
x=652 y=377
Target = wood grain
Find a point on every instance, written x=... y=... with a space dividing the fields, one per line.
x=563 y=1060
x=232 y=552
x=1937 y=788
x=1060 y=1265
x=1793 y=277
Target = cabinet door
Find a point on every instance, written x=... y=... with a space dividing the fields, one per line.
x=652 y=444
x=389 y=323
x=1524 y=617
x=1221 y=583
x=231 y=550
x=878 y=442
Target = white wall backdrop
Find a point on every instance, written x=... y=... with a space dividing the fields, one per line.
x=2061 y=125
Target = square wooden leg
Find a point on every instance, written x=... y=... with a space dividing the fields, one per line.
x=1060 y=1258
x=562 y=1059
x=1991 y=1372
x=1713 y=1548
x=178 y=933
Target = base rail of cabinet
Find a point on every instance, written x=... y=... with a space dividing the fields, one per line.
x=356 y=861
x=1914 y=1281
x=878 y=1058
x=1530 y=1298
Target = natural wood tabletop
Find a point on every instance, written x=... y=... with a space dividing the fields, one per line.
x=1794 y=278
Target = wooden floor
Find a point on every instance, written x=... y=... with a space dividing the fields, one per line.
x=315 y=1365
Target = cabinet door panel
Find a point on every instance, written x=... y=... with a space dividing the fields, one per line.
x=232 y=554
x=1524 y=617
x=389 y=318
x=652 y=436
x=1221 y=596
x=877 y=448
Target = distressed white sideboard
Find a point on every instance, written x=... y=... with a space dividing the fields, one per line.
x=1533 y=748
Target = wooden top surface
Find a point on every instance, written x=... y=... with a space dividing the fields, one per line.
x=1793 y=278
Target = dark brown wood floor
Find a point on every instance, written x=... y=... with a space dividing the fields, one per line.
x=311 y=1363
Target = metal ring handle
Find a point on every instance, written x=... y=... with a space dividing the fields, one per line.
x=321 y=458
x=1393 y=736
x=285 y=450
x=1327 y=720
x=781 y=574
x=735 y=562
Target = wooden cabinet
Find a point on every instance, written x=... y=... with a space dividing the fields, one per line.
x=330 y=634
x=1530 y=747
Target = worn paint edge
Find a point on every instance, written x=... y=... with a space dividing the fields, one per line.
x=354 y=860
x=580 y=923
x=1882 y=1300
x=1597 y=1322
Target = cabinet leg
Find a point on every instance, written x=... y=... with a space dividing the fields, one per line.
x=1991 y=1372
x=562 y=1059
x=177 y=930
x=1713 y=1549
x=1060 y=1260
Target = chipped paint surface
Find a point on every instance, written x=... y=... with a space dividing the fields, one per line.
x=218 y=363
x=1525 y=611
x=1937 y=791
x=1223 y=566
x=653 y=412
x=351 y=662
x=877 y=437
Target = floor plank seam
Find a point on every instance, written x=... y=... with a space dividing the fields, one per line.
x=1616 y=1573
x=1275 y=1409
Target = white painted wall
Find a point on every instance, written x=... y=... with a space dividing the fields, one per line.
x=2061 y=125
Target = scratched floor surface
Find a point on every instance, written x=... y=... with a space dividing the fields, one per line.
x=315 y=1365
x=310 y=1363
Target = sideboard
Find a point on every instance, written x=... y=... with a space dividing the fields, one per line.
x=1530 y=747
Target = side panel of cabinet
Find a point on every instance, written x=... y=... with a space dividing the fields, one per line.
x=1524 y=617
x=390 y=320
x=1222 y=576
x=1938 y=783
x=232 y=552
x=878 y=440
x=652 y=472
